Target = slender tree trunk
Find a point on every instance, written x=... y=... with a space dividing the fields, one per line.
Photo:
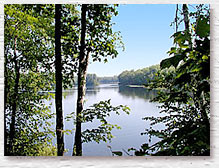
x=82 y=73
x=176 y=17
x=15 y=99
x=186 y=21
x=186 y=17
x=6 y=152
x=58 y=96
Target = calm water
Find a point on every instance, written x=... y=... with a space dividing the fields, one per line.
x=131 y=125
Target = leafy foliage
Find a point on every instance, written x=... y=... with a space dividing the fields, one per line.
x=101 y=41
x=101 y=111
x=70 y=33
x=186 y=96
x=25 y=77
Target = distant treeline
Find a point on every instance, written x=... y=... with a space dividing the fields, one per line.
x=110 y=79
x=94 y=80
x=138 y=77
x=91 y=80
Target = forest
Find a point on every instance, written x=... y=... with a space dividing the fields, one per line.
x=138 y=77
x=94 y=80
x=47 y=50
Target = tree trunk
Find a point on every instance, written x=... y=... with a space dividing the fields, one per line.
x=58 y=73
x=186 y=17
x=15 y=100
x=82 y=73
x=6 y=152
x=186 y=21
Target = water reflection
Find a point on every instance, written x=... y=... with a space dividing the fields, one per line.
x=91 y=90
x=137 y=99
x=137 y=92
x=67 y=93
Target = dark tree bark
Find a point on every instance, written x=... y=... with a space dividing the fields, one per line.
x=186 y=21
x=186 y=17
x=82 y=73
x=58 y=74
x=15 y=99
x=176 y=17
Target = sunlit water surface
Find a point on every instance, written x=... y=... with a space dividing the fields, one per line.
x=132 y=125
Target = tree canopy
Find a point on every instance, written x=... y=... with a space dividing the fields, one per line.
x=28 y=51
x=138 y=77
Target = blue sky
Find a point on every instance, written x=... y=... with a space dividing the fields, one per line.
x=146 y=32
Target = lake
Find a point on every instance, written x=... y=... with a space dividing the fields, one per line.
x=132 y=125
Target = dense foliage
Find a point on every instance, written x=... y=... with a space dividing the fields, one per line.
x=138 y=77
x=185 y=100
x=26 y=116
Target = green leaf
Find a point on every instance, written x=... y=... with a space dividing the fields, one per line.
x=172 y=50
x=204 y=57
x=166 y=63
x=203 y=27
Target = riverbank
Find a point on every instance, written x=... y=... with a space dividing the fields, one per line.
x=141 y=86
